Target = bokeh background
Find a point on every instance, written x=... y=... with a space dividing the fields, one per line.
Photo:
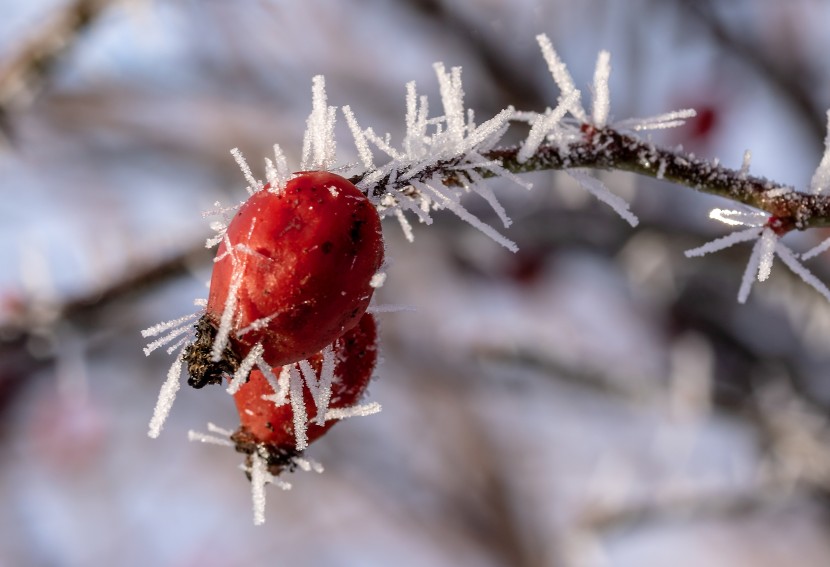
x=593 y=400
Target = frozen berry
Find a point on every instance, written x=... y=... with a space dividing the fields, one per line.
x=266 y=423
x=294 y=271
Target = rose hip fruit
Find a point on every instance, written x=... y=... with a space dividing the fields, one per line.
x=300 y=265
x=263 y=422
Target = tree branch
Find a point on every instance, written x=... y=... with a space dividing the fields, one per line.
x=610 y=149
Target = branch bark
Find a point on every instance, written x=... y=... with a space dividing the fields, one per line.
x=610 y=149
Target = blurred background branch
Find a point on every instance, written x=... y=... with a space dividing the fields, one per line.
x=595 y=399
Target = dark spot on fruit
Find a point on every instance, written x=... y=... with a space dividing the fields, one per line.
x=326 y=247
x=354 y=233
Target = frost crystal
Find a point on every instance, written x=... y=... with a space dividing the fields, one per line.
x=167 y=395
x=159 y=328
x=601 y=192
x=562 y=77
x=452 y=202
x=229 y=310
x=254 y=184
x=295 y=389
x=660 y=122
x=309 y=465
x=759 y=263
x=544 y=125
x=224 y=440
x=354 y=411
x=440 y=159
x=821 y=178
x=320 y=388
x=319 y=146
x=282 y=387
x=245 y=367
x=767 y=246
x=277 y=172
x=363 y=150
x=745 y=163
x=724 y=242
x=180 y=326
x=738 y=218
x=259 y=477
x=378 y=280
x=815 y=251
x=278 y=385
x=791 y=262
x=452 y=97
x=553 y=126
x=602 y=96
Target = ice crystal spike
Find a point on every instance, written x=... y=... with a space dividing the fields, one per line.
x=319 y=146
x=562 y=77
x=277 y=172
x=199 y=437
x=354 y=411
x=166 y=339
x=746 y=161
x=452 y=97
x=660 y=122
x=738 y=218
x=229 y=310
x=820 y=182
x=259 y=478
x=363 y=151
x=767 y=246
x=244 y=369
x=792 y=263
x=156 y=330
x=768 y=242
x=601 y=192
x=545 y=125
x=295 y=388
x=816 y=250
x=724 y=242
x=602 y=95
x=254 y=184
x=167 y=395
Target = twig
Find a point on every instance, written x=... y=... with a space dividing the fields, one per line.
x=612 y=150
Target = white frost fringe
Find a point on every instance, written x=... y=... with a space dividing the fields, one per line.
x=767 y=246
x=167 y=395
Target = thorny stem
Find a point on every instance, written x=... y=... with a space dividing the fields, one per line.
x=612 y=150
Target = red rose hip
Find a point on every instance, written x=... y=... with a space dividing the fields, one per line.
x=265 y=423
x=294 y=271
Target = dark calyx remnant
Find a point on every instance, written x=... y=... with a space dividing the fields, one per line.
x=277 y=459
x=202 y=369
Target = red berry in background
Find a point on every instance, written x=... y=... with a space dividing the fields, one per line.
x=304 y=258
x=263 y=422
x=702 y=126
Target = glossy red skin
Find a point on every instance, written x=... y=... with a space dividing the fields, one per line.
x=315 y=254
x=355 y=358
